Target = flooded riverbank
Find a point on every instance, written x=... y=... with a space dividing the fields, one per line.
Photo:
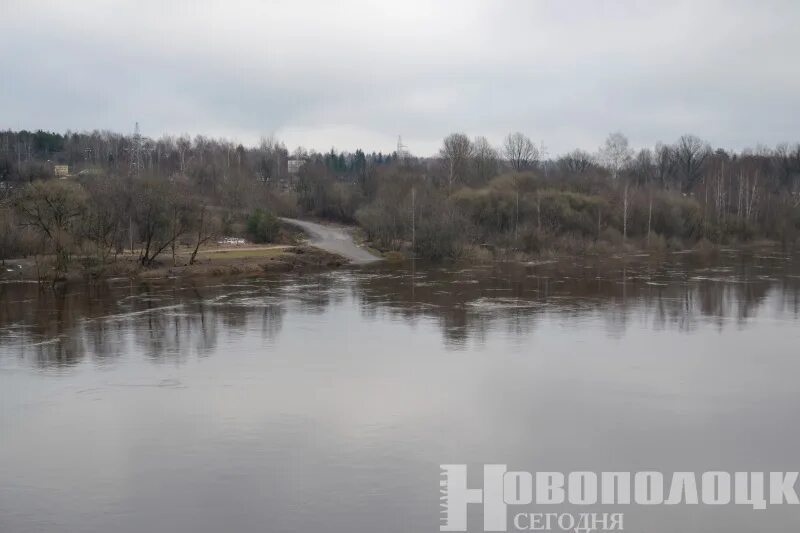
x=328 y=400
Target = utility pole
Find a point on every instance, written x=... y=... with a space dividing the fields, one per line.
x=135 y=167
x=413 y=219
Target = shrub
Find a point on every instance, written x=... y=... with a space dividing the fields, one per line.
x=440 y=234
x=611 y=235
x=263 y=226
x=676 y=216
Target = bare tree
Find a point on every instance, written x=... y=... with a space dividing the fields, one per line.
x=616 y=153
x=664 y=162
x=204 y=228
x=272 y=159
x=456 y=152
x=52 y=208
x=8 y=235
x=649 y=216
x=103 y=221
x=184 y=145
x=625 y=213
x=691 y=154
x=160 y=215
x=643 y=167
x=484 y=160
x=787 y=162
x=575 y=162
x=520 y=151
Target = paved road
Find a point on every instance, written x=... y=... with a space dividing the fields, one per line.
x=333 y=239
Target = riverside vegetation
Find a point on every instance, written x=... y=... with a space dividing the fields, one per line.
x=148 y=202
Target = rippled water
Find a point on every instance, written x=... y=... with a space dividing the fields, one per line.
x=326 y=402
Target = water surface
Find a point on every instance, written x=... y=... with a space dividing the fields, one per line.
x=327 y=401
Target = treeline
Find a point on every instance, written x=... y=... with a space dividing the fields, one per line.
x=128 y=192
x=507 y=198
x=27 y=156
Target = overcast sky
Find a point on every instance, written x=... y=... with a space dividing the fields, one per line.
x=350 y=74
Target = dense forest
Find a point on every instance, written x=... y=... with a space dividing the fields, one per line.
x=88 y=197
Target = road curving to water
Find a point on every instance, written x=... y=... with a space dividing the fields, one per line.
x=334 y=239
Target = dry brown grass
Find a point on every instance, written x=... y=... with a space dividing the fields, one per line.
x=244 y=253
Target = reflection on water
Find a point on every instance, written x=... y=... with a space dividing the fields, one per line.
x=303 y=402
x=175 y=318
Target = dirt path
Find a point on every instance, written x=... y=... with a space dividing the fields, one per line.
x=333 y=239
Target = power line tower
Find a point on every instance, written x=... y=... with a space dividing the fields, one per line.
x=402 y=149
x=136 y=153
x=136 y=166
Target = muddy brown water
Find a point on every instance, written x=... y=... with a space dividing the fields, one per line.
x=326 y=402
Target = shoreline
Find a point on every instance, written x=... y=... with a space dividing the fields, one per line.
x=211 y=262
x=253 y=260
x=306 y=245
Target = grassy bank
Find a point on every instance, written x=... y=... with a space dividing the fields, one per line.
x=210 y=261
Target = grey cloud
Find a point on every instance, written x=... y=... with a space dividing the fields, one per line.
x=352 y=73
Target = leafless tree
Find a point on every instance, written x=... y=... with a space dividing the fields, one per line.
x=205 y=227
x=575 y=162
x=642 y=166
x=664 y=161
x=625 y=213
x=616 y=153
x=184 y=145
x=484 y=159
x=691 y=154
x=520 y=151
x=273 y=157
x=52 y=208
x=160 y=215
x=456 y=152
x=787 y=161
x=104 y=220
x=8 y=235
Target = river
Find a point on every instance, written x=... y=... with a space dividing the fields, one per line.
x=326 y=402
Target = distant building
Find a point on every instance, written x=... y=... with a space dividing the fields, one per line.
x=61 y=171
x=294 y=165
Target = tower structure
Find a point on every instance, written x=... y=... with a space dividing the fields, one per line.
x=402 y=149
x=136 y=152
